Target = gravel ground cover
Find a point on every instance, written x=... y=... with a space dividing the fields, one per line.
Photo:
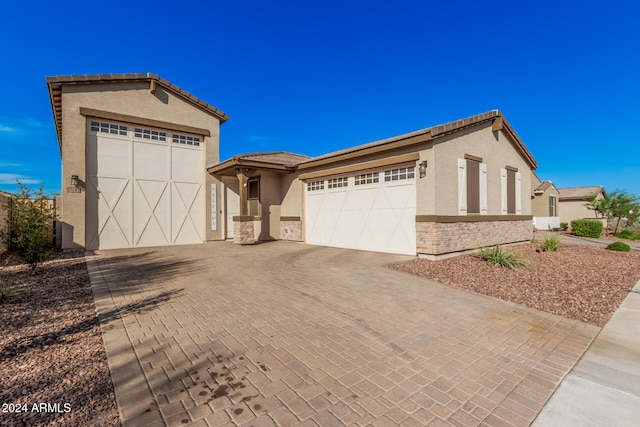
x=51 y=350
x=586 y=283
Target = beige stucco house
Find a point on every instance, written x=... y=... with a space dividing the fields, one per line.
x=573 y=202
x=436 y=191
x=141 y=168
x=544 y=204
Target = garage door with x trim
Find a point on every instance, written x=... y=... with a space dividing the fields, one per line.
x=144 y=186
x=373 y=211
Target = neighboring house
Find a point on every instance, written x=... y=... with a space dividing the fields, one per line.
x=544 y=204
x=573 y=202
x=141 y=181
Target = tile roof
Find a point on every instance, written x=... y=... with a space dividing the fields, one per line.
x=55 y=84
x=580 y=193
x=276 y=157
x=274 y=160
x=434 y=132
x=543 y=186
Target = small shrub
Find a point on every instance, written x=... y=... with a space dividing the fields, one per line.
x=551 y=242
x=626 y=234
x=619 y=246
x=564 y=226
x=586 y=228
x=31 y=217
x=5 y=293
x=502 y=257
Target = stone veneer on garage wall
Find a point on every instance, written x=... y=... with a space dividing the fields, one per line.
x=291 y=230
x=438 y=238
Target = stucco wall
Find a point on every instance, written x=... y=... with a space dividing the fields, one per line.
x=574 y=209
x=540 y=204
x=133 y=99
x=496 y=151
x=270 y=202
x=292 y=202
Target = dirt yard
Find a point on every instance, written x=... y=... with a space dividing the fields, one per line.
x=51 y=350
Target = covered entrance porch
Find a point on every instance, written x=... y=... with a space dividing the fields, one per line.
x=254 y=189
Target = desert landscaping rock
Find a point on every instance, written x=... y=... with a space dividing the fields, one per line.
x=580 y=282
x=51 y=349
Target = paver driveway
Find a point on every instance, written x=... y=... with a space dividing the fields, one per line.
x=287 y=334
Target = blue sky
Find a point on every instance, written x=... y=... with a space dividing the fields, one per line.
x=314 y=77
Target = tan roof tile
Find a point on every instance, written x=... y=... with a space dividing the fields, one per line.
x=434 y=131
x=580 y=192
x=55 y=84
x=275 y=157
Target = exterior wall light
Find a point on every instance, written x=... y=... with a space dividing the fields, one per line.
x=74 y=180
x=423 y=168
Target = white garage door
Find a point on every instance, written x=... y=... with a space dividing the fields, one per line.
x=373 y=211
x=144 y=187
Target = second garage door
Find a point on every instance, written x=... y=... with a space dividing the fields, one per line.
x=144 y=186
x=372 y=211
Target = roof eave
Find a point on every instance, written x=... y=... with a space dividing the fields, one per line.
x=227 y=167
x=501 y=124
x=55 y=84
x=401 y=141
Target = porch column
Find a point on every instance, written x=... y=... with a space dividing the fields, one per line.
x=243 y=191
x=243 y=230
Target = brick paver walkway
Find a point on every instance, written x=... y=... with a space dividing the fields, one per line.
x=286 y=334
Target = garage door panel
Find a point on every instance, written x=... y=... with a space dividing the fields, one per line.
x=150 y=161
x=375 y=216
x=401 y=196
x=114 y=157
x=399 y=240
x=186 y=164
x=111 y=191
x=114 y=208
x=112 y=235
x=150 y=213
x=364 y=197
x=382 y=219
x=186 y=213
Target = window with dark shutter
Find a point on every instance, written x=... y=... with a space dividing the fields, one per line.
x=511 y=191
x=473 y=186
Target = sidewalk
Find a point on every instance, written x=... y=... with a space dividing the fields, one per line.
x=604 y=386
x=578 y=240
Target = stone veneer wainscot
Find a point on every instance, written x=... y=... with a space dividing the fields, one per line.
x=442 y=235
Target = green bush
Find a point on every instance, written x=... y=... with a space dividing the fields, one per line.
x=626 y=234
x=564 y=226
x=31 y=217
x=551 y=242
x=619 y=246
x=586 y=228
x=502 y=257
